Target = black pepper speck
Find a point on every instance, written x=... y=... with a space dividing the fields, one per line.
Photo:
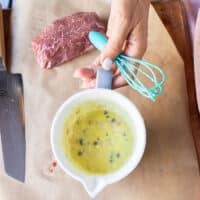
x=113 y=120
x=81 y=141
x=118 y=155
x=95 y=143
x=80 y=153
x=105 y=112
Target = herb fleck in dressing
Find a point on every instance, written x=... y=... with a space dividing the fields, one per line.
x=102 y=140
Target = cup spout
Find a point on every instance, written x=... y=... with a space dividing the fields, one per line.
x=94 y=186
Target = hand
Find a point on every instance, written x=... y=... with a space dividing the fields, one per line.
x=127 y=33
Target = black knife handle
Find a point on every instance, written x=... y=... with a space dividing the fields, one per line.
x=10 y=4
x=2 y=42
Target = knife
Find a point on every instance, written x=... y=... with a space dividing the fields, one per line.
x=12 y=127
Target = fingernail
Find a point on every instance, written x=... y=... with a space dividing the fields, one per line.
x=107 y=63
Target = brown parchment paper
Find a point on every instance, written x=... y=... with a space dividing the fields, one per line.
x=168 y=170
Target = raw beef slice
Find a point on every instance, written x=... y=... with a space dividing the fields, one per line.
x=65 y=38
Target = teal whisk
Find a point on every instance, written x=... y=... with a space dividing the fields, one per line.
x=135 y=70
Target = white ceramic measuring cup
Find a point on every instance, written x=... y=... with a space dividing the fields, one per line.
x=95 y=183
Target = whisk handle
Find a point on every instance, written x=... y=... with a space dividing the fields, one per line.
x=97 y=39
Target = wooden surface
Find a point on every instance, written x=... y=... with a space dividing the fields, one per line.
x=172 y=14
x=197 y=58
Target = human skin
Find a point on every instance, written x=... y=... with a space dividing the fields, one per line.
x=127 y=33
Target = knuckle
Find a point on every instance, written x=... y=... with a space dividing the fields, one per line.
x=114 y=47
x=138 y=50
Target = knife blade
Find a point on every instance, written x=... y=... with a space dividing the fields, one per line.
x=11 y=118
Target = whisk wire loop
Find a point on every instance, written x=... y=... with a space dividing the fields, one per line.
x=130 y=67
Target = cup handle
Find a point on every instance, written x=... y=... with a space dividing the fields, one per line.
x=104 y=79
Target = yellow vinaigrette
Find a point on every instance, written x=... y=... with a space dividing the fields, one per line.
x=97 y=138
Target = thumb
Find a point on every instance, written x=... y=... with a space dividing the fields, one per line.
x=112 y=48
x=116 y=40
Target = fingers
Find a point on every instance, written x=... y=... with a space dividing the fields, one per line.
x=89 y=72
x=118 y=29
x=119 y=81
x=136 y=43
x=125 y=33
x=114 y=45
x=85 y=73
x=88 y=77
